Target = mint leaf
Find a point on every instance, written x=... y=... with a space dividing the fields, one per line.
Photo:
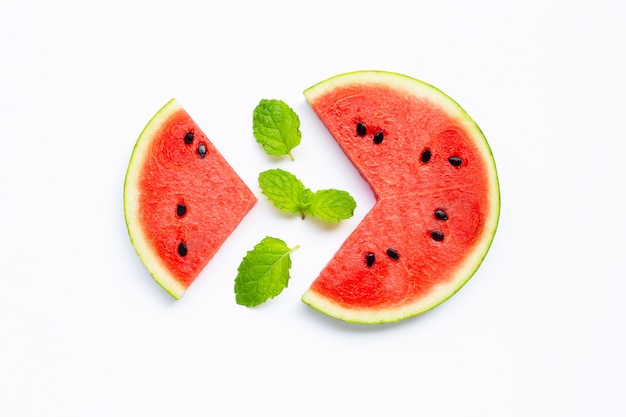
x=285 y=191
x=276 y=127
x=332 y=205
x=288 y=193
x=263 y=272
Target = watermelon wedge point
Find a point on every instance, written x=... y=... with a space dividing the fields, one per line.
x=181 y=198
x=437 y=194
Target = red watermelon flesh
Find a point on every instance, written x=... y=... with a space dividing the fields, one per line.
x=437 y=192
x=181 y=199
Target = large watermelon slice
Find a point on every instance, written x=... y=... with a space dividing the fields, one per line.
x=181 y=198
x=437 y=197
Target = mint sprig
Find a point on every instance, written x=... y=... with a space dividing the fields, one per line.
x=263 y=272
x=276 y=127
x=288 y=193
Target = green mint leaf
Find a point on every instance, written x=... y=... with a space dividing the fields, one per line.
x=263 y=272
x=332 y=205
x=288 y=193
x=276 y=127
x=284 y=190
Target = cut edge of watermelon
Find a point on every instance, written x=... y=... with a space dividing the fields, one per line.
x=137 y=236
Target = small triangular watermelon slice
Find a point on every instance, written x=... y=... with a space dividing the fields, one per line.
x=181 y=199
x=437 y=197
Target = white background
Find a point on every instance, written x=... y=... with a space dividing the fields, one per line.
x=85 y=331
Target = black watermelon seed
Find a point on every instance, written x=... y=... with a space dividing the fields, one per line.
x=436 y=235
x=361 y=130
x=455 y=161
x=181 y=209
x=393 y=254
x=202 y=150
x=189 y=137
x=426 y=155
x=441 y=215
x=378 y=137
x=182 y=249
x=369 y=259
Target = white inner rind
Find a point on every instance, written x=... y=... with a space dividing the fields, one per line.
x=148 y=256
x=412 y=86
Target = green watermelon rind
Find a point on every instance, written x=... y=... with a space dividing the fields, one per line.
x=463 y=274
x=148 y=256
